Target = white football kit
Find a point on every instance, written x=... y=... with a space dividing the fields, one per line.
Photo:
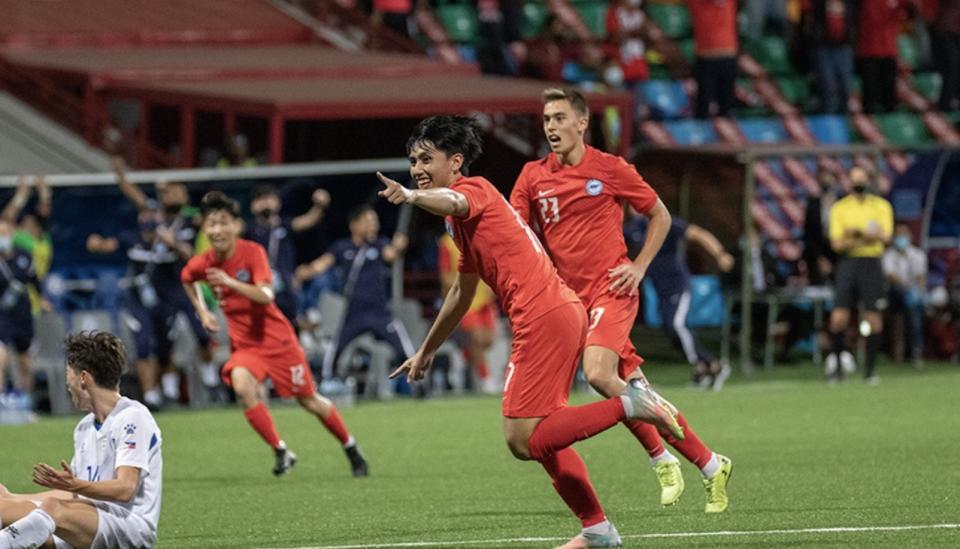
x=128 y=437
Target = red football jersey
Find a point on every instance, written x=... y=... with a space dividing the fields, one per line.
x=250 y=325
x=498 y=245
x=579 y=210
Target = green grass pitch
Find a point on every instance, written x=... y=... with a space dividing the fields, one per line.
x=806 y=456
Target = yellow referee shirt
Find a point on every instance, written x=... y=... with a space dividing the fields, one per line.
x=869 y=215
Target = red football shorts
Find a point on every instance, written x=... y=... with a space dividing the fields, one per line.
x=288 y=370
x=543 y=361
x=611 y=320
x=484 y=317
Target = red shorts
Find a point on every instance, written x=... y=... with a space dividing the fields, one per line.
x=287 y=369
x=611 y=320
x=484 y=317
x=543 y=361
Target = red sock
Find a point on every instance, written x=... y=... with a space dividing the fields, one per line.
x=570 y=479
x=261 y=421
x=334 y=423
x=691 y=446
x=572 y=423
x=647 y=435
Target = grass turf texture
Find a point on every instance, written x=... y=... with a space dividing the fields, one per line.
x=806 y=455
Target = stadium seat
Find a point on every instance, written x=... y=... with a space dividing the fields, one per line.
x=687 y=49
x=771 y=52
x=594 y=14
x=460 y=21
x=908 y=53
x=691 y=131
x=830 y=129
x=533 y=16
x=902 y=128
x=666 y=99
x=928 y=84
x=763 y=130
x=673 y=19
x=796 y=90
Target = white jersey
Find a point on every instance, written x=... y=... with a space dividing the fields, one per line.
x=129 y=437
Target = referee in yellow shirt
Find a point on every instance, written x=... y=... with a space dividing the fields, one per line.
x=861 y=225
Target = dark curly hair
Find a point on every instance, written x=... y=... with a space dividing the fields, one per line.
x=216 y=201
x=100 y=353
x=450 y=134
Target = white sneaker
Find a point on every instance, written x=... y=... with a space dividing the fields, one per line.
x=830 y=365
x=648 y=406
x=847 y=362
x=588 y=538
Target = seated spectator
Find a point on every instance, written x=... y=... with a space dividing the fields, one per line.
x=625 y=24
x=362 y=261
x=238 y=153
x=905 y=267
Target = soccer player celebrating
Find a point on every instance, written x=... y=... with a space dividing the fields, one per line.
x=262 y=339
x=549 y=323
x=577 y=193
x=109 y=494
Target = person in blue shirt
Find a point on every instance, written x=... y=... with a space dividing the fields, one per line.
x=275 y=233
x=362 y=263
x=16 y=319
x=670 y=277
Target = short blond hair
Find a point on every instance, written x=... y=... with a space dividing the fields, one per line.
x=575 y=98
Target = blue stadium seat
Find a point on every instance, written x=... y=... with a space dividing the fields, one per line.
x=830 y=129
x=691 y=131
x=706 y=303
x=763 y=130
x=666 y=98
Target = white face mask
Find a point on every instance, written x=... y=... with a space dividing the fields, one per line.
x=613 y=76
x=634 y=3
x=6 y=244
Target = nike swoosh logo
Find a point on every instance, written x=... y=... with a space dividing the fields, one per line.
x=546 y=192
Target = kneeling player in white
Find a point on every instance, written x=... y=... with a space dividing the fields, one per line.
x=109 y=495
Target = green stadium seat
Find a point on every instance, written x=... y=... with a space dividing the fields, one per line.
x=673 y=19
x=687 y=49
x=460 y=21
x=796 y=90
x=903 y=129
x=908 y=52
x=771 y=52
x=533 y=16
x=928 y=84
x=594 y=14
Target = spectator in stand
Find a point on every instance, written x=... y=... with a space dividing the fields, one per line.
x=878 y=23
x=545 y=54
x=275 y=233
x=480 y=321
x=31 y=233
x=362 y=262
x=827 y=28
x=817 y=253
x=905 y=267
x=393 y=14
x=499 y=36
x=764 y=14
x=946 y=48
x=715 y=45
x=238 y=153
x=625 y=30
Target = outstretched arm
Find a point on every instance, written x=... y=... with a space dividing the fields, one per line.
x=709 y=242
x=129 y=190
x=315 y=268
x=436 y=201
x=19 y=200
x=455 y=305
x=321 y=199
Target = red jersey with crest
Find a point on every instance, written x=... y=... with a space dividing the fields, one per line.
x=498 y=245
x=251 y=325
x=579 y=210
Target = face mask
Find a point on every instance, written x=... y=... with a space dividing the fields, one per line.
x=634 y=3
x=6 y=244
x=859 y=188
x=148 y=226
x=265 y=213
x=901 y=242
x=613 y=76
x=173 y=209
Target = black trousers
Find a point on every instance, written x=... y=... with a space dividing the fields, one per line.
x=946 y=54
x=716 y=80
x=878 y=83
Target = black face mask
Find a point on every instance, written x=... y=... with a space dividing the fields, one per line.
x=859 y=189
x=173 y=209
x=265 y=214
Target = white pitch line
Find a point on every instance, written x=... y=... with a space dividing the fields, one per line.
x=719 y=533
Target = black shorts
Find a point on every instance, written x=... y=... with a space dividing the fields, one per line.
x=860 y=280
x=16 y=330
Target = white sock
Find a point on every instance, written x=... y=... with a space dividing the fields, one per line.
x=171 y=385
x=665 y=455
x=711 y=467
x=627 y=405
x=351 y=442
x=153 y=397
x=598 y=528
x=32 y=530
